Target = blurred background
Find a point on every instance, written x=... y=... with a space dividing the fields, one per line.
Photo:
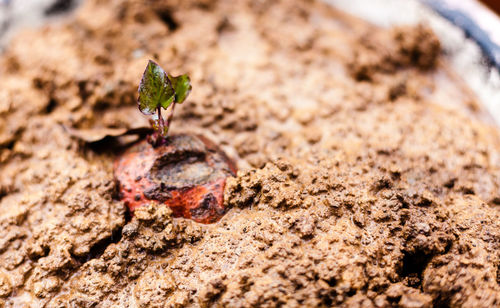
x=493 y=4
x=15 y=14
x=454 y=21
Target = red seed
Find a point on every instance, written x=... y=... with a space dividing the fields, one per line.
x=188 y=174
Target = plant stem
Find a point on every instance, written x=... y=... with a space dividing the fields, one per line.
x=170 y=116
x=161 y=123
x=160 y=137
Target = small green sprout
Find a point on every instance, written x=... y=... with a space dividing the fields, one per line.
x=159 y=90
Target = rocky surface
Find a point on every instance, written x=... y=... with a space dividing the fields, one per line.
x=357 y=187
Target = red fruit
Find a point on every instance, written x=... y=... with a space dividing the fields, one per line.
x=188 y=174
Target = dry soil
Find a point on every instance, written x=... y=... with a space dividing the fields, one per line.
x=367 y=175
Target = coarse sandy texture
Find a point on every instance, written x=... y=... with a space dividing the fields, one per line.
x=356 y=188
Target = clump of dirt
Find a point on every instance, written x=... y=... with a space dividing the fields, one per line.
x=417 y=47
x=352 y=191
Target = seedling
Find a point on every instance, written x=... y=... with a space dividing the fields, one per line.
x=159 y=90
x=185 y=171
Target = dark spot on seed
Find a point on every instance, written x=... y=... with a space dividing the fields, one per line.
x=155 y=192
x=206 y=205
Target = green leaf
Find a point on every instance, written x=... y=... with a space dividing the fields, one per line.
x=155 y=89
x=182 y=87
